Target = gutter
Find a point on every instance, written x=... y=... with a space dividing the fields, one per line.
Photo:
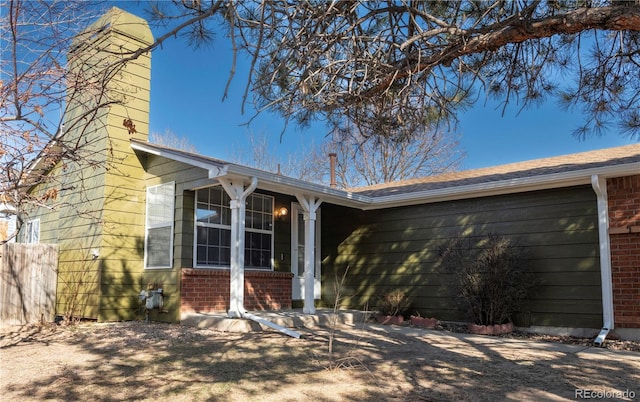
x=361 y=200
x=499 y=187
x=599 y=185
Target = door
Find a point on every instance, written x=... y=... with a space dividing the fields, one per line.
x=297 y=253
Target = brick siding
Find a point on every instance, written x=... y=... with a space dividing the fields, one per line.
x=207 y=290
x=624 y=235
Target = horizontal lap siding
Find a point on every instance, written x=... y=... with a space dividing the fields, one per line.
x=161 y=170
x=398 y=249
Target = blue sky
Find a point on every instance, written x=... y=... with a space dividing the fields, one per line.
x=187 y=86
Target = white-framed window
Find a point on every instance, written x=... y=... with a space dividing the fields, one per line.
x=213 y=230
x=32 y=231
x=158 y=243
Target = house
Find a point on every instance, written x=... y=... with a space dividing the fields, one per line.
x=8 y=221
x=218 y=236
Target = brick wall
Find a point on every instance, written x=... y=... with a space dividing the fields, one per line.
x=624 y=235
x=207 y=290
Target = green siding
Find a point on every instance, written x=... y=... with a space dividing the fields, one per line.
x=162 y=170
x=398 y=249
x=101 y=202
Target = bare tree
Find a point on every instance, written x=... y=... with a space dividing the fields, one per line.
x=385 y=64
x=170 y=139
x=364 y=160
x=52 y=94
x=307 y=162
x=32 y=92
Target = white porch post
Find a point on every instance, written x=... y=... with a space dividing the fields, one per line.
x=238 y=195
x=309 y=206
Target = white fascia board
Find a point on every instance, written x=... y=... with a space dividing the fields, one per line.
x=266 y=180
x=291 y=186
x=288 y=185
x=533 y=183
x=214 y=169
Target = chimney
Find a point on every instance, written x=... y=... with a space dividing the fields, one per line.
x=332 y=169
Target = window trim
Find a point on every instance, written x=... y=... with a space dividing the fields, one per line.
x=262 y=231
x=228 y=227
x=31 y=236
x=169 y=223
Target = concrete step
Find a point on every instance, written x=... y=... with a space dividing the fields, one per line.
x=283 y=318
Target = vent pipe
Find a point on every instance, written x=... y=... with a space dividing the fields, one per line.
x=332 y=169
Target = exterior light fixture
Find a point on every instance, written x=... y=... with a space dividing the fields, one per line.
x=281 y=213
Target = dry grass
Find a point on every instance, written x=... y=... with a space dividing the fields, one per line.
x=137 y=361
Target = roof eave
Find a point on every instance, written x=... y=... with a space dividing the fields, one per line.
x=291 y=186
x=266 y=180
x=486 y=189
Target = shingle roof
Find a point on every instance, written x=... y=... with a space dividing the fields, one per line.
x=538 y=167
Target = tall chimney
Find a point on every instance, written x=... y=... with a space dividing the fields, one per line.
x=332 y=169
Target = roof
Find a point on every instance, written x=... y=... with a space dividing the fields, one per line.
x=592 y=160
x=555 y=172
x=266 y=180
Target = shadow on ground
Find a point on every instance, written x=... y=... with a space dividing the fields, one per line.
x=138 y=361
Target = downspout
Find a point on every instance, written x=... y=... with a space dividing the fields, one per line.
x=599 y=185
x=286 y=331
x=238 y=195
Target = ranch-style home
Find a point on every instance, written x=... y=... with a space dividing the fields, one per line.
x=218 y=236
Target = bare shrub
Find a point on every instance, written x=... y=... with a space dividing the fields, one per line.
x=393 y=303
x=489 y=275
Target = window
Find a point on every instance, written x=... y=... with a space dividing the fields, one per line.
x=32 y=231
x=159 y=235
x=258 y=244
x=213 y=230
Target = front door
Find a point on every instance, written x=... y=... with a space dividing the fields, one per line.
x=297 y=253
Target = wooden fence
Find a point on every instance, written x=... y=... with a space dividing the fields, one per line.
x=28 y=274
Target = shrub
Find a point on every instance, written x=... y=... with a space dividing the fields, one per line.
x=489 y=275
x=393 y=303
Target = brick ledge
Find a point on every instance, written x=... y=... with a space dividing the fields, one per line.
x=226 y=272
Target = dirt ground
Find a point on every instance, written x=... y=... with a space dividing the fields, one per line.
x=138 y=361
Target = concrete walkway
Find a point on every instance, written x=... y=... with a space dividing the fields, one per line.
x=498 y=343
x=295 y=318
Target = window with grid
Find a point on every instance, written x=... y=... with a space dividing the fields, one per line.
x=213 y=230
x=159 y=226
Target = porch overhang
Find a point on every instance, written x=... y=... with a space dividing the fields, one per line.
x=398 y=197
x=218 y=169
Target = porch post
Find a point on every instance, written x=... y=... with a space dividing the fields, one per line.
x=309 y=206
x=238 y=195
